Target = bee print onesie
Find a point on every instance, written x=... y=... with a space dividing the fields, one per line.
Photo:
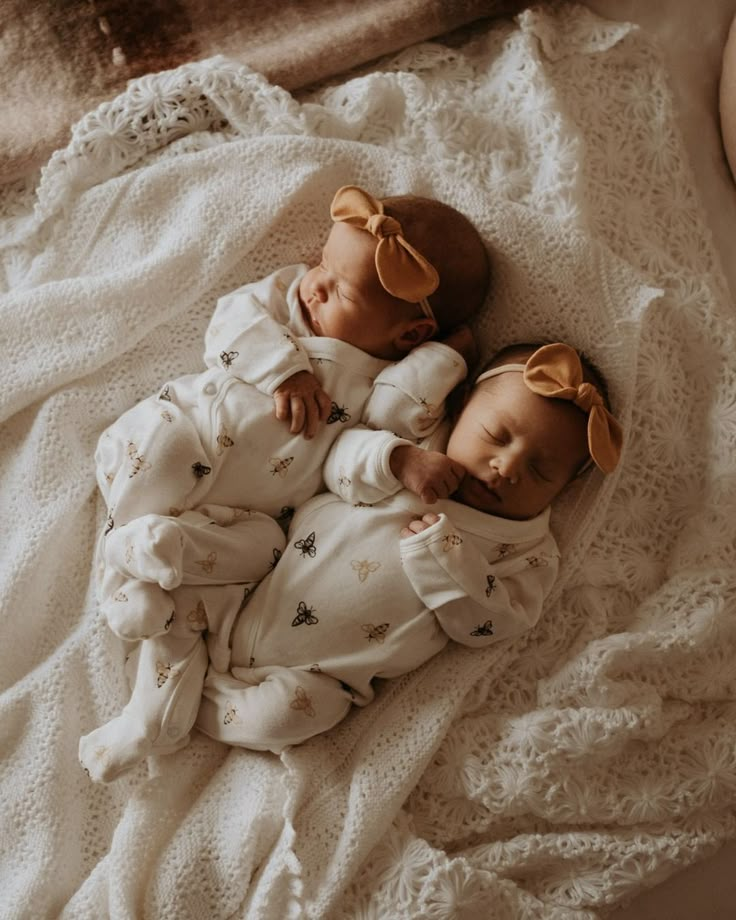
x=350 y=601
x=212 y=439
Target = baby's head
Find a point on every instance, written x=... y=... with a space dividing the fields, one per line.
x=534 y=420
x=394 y=273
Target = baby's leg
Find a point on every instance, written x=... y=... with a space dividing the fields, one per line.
x=270 y=708
x=135 y=609
x=169 y=672
x=212 y=545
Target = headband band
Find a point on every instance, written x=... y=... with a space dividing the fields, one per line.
x=402 y=271
x=555 y=371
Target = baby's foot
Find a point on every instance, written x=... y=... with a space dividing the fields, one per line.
x=138 y=610
x=149 y=548
x=113 y=748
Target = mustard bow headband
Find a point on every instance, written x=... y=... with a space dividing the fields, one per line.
x=402 y=271
x=556 y=371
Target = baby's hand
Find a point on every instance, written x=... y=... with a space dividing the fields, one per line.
x=462 y=340
x=301 y=400
x=427 y=473
x=420 y=524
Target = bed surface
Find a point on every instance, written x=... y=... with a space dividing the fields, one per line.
x=692 y=40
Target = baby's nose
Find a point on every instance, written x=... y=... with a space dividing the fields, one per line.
x=506 y=467
x=319 y=291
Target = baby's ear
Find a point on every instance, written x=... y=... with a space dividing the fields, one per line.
x=414 y=332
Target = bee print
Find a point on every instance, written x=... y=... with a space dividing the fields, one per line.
x=207 y=565
x=138 y=464
x=491 y=585
x=163 y=672
x=167 y=624
x=483 y=629
x=201 y=469
x=227 y=358
x=304 y=614
x=280 y=467
x=285 y=515
x=306 y=546
x=174 y=512
x=315 y=669
x=231 y=715
x=128 y=553
x=428 y=407
x=197 y=618
x=302 y=703
x=292 y=341
x=165 y=394
x=276 y=557
x=338 y=414
x=223 y=441
x=364 y=568
x=503 y=549
x=167 y=416
x=343 y=479
x=375 y=632
x=109 y=523
x=240 y=514
x=121 y=597
x=537 y=562
x=452 y=539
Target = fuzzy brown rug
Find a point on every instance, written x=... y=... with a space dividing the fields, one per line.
x=59 y=58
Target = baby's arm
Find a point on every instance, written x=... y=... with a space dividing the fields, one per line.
x=409 y=397
x=366 y=466
x=476 y=601
x=249 y=337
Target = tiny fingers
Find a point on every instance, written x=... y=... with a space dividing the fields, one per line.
x=297 y=414
x=283 y=407
x=420 y=524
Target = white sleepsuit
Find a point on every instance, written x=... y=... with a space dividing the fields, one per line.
x=212 y=439
x=350 y=601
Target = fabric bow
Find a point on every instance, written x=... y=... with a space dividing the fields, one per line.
x=402 y=271
x=556 y=371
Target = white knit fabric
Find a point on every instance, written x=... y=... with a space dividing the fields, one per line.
x=548 y=777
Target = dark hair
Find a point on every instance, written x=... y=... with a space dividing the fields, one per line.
x=450 y=242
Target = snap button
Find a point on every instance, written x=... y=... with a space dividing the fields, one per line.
x=210 y=389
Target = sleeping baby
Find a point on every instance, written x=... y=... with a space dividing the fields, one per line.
x=348 y=341
x=373 y=582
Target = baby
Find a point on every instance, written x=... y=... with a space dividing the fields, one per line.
x=346 y=342
x=373 y=584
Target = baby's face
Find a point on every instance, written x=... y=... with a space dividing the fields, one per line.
x=520 y=450
x=342 y=297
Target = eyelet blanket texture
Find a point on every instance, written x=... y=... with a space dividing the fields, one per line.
x=553 y=776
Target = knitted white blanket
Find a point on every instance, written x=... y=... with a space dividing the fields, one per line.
x=553 y=776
